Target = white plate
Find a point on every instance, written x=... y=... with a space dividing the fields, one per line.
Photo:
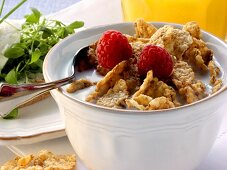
x=35 y=123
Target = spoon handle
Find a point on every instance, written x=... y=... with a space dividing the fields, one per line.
x=9 y=91
x=225 y=88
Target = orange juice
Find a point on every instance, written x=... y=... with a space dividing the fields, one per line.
x=210 y=14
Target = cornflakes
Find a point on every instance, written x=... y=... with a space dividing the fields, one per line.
x=123 y=87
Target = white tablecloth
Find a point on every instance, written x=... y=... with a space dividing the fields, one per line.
x=100 y=12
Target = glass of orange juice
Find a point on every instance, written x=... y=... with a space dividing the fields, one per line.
x=210 y=14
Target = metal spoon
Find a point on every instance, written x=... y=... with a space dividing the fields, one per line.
x=13 y=96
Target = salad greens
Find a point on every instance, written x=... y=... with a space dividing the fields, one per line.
x=37 y=36
x=23 y=60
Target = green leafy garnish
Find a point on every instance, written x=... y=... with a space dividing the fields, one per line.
x=12 y=115
x=35 y=56
x=34 y=17
x=37 y=36
x=11 y=77
x=24 y=59
x=15 y=51
x=77 y=24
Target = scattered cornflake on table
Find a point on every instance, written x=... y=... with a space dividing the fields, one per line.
x=44 y=160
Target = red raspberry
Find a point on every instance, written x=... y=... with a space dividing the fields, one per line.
x=157 y=59
x=112 y=48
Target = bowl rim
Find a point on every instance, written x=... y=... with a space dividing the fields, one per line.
x=132 y=111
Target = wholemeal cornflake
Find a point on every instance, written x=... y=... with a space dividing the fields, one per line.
x=122 y=87
x=214 y=76
x=137 y=48
x=116 y=96
x=175 y=41
x=182 y=75
x=184 y=79
x=154 y=88
x=144 y=102
x=116 y=86
x=160 y=103
x=132 y=39
x=143 y=29
x=92 y=58
x=108 y=81
x=214 y=72
x=78 y=85
x=44 y=160
x=198 y=53
x=193 y=29
x=150 y=93
x=217 y=85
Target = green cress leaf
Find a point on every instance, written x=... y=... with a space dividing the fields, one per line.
x=34 y=17
x=46 y=32
x=75 y=25
x=11 y=77
x=44 y=48
x=39 y=63
x=61 y=32
x=12 y=115
x=35 y=56
x=14 y=51
x=70 y=28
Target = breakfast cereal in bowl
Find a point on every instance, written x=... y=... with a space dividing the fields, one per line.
x=145 y=95
x=156 y=68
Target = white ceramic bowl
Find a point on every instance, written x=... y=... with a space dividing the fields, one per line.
x=108 y=139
